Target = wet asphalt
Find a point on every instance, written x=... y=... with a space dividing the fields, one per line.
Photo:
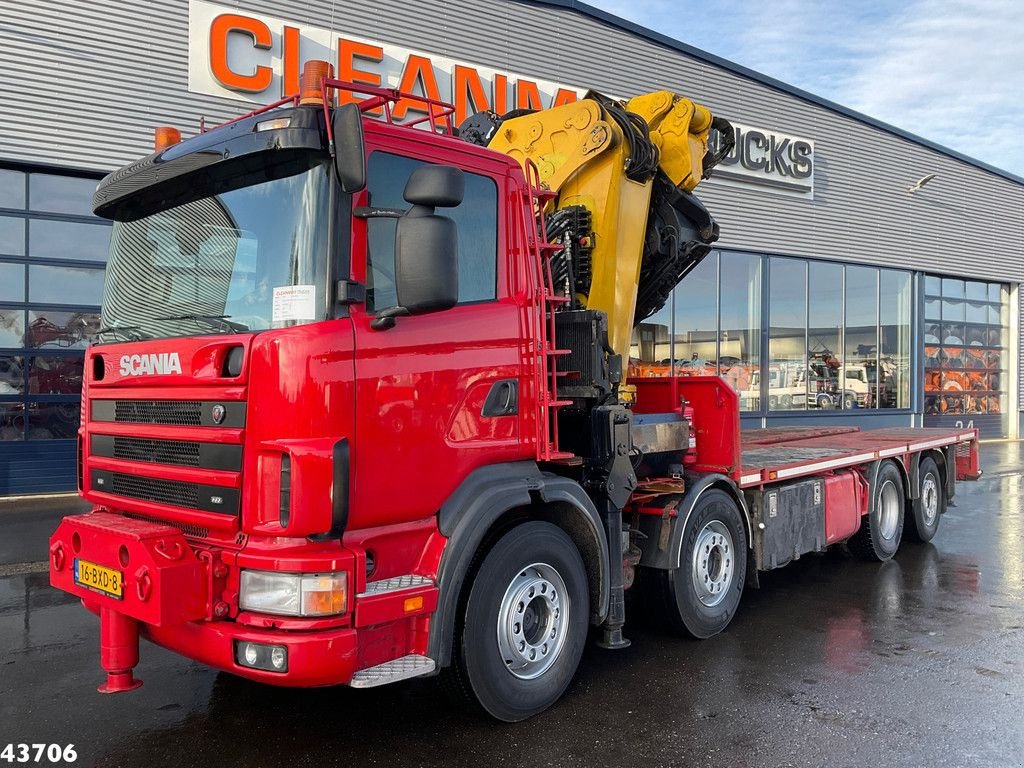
x=833 y=662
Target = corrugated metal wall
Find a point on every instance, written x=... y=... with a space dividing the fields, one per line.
x=37 y=467
x=84 y=83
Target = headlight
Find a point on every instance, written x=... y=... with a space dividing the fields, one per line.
x=294 y=594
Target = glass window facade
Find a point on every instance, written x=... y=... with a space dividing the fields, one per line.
x=52 y=257
x=966 y=362
x=838 y=335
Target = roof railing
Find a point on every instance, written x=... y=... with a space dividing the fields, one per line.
x=439 y=114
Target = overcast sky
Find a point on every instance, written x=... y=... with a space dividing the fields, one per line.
x=952 y=71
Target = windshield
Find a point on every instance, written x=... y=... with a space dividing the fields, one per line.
x=244 y=260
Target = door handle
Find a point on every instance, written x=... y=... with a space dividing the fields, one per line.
x=503 y=399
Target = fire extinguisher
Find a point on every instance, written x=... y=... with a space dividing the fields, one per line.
x=690 y=457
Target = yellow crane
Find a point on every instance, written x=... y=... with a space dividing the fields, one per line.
x=626 y=172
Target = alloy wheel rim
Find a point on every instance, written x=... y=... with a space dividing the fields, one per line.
x=533 y=621
x=888 y=509
x=929 y=499
x=714 y=563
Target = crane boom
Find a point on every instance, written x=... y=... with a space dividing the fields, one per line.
x=624 y=174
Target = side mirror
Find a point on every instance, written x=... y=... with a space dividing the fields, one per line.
x=426 y=246
x=426 y=263
x=349 y=147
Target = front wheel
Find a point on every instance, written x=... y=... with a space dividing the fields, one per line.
x=703 y=593
x=525 y=623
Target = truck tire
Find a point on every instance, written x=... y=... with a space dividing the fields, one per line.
x=879 y=535
x=924 y=512
x=701 y=595
x=525 y=623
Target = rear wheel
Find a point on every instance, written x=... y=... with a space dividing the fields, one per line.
x=703 y=593
x=924 y=512
x=525 y=623
x=879 y=536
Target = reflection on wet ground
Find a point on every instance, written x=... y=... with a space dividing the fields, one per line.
x=835 y=662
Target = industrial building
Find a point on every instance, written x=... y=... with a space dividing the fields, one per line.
x=864 y=275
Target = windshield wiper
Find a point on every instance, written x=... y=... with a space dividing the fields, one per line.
x=218 y=321
x=125 y=332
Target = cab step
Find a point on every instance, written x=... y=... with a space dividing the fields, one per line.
x=404 y=668
x=394 y=584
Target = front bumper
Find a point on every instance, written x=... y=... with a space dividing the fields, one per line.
x=167 y=595
x=315 y=658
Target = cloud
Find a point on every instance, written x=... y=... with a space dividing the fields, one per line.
x=952 y=72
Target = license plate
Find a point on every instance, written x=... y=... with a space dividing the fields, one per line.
x=106 y=581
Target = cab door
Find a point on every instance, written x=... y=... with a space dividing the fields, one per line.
x=436 y=394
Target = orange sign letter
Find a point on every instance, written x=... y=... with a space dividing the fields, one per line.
x=468 y=90
x=290 y=82
x=418 y=69
x=348 y=50
x=223 y=26
x=528 y=95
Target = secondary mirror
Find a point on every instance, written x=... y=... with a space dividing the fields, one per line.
x=349 y=147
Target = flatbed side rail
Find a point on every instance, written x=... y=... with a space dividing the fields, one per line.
x=775 y=464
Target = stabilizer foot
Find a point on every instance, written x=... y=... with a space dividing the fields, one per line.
x=119 y=682
x=119 y=651
x=612 y=639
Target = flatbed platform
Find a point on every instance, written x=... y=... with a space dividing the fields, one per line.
x=782 y=453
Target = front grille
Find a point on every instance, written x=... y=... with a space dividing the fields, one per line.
x=197 y=531
x=171 y=413
x=220 y=499
x=172 y=492
x=182 y=452
x=179 y=413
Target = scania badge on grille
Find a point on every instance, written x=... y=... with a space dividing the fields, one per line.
x=218 y=412
x=162 y=363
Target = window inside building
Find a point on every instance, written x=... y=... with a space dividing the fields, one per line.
x=739 y=336
x=787 y=335
x=695 y=321
x=710 y=326
x=838 y=335
x=52 y=257
x=650 y=355
x=965 y=354
x=825 y=372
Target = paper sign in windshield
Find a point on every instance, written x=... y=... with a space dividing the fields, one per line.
x=294 y=302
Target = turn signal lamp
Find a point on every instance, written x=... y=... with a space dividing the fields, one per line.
x=412 y=604
x=165 y=136
x=294 y=594
x=311 y=82
x=324 y=595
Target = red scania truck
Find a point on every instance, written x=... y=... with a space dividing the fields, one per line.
x=360 y=410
